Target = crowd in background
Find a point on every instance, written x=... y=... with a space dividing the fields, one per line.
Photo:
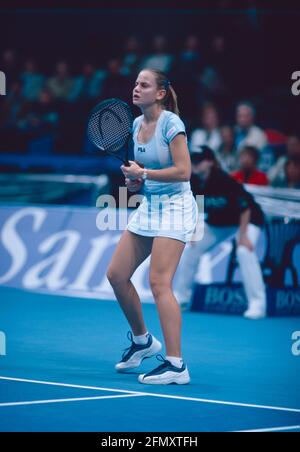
x=52 y=108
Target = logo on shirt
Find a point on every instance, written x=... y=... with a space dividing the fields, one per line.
x=171 y=131
x=217 y=202
x=140 y=149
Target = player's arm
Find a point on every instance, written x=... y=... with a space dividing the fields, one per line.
x=180 y=171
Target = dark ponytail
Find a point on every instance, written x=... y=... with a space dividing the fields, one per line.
x=169 y=102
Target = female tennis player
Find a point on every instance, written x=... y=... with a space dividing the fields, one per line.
x=161 y=226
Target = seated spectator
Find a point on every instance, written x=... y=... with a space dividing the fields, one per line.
x=246 y=132
x=88 y=85
x=248 y=172
x=13 y=106
x=190 y=60
x=42 y=117
x=185 y=74
x=160 y=59
x=208 y=133
x=32 y=81
x=213 y=86
x=218 y=56
x=291 y=174
x=115 y=83
x=227 y=153
x=131 y=57
x=276 y=174
x=60 y=85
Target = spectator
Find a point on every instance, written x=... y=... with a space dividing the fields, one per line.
x=88 y=85
x=42 y=117
x=248 y=173
x=208 y=134
x=13 y=106
x=60 y=84
x=276 y=174
x=291 y=174
x=132 y=56
x=227 y=152
x=212 y=83
x=115 y=84
x=246 y=132
x=219 y=58
x=160 y=58
x=190 y=60
x=32 y=81
x=185 y=74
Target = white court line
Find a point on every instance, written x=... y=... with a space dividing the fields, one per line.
x=76 y=399
x=164 y=396
x=274 y=429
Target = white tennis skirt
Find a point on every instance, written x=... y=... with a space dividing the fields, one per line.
x=172 y=216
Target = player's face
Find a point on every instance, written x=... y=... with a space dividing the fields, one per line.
x=145 y=92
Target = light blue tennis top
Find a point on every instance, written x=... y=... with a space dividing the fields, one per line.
x=155 y=154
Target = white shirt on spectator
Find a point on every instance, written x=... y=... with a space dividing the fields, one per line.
x=200 y=137
x=255 y=137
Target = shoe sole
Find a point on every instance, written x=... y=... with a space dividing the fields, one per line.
x=167 y=380
x=153 y=350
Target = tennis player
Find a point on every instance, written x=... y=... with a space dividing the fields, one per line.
x=160 y=227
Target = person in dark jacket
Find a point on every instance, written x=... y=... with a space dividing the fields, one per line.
x=229 y=211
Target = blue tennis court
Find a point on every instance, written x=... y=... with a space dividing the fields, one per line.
x=58 y=372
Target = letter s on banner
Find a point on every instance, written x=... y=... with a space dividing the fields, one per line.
x=13 y=243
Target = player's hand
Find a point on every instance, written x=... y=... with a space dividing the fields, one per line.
x=244 y=241
x=134 y=171
x=133 y=185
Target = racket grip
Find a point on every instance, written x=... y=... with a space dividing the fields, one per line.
x=140 y=164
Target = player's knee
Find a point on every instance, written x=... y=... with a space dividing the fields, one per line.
x=159 y=284
x=115 y=276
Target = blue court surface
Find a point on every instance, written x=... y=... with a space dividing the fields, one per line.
x=58 y=372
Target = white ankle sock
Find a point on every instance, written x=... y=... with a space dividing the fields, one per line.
x=175 y=361
x=141 y=340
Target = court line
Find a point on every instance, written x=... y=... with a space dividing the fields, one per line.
x=76 y=399
x=165 y=396
x=274 y=429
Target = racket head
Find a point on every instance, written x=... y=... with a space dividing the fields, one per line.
x=110 y=125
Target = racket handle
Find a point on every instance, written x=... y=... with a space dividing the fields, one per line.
x=126 y=163
x=140 y=164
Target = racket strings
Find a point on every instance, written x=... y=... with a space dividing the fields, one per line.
x=110 y=125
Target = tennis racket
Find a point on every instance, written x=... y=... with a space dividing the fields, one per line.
x=110 y=128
